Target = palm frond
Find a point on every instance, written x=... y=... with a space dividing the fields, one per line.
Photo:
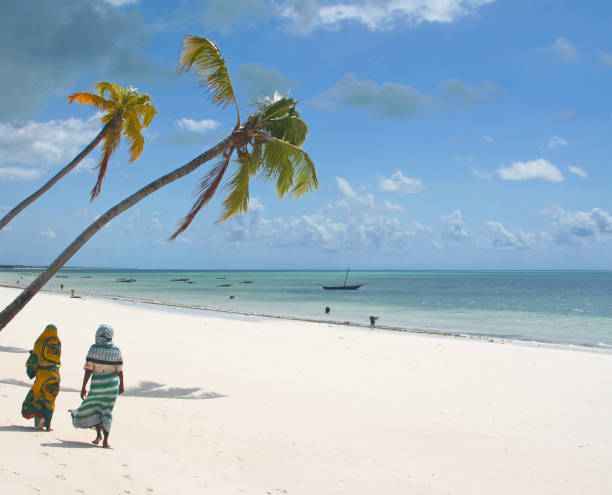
x=145 y=113
x=132 y=130
x=289 y=165
x=238 y=199
x=206 y=191
x=203 y=55
x=111 y=142
x=113 y=89
x=85 y=98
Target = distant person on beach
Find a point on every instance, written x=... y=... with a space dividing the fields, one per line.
x=104 y=364
x=61 y=286
x=43 y=364
x=327 y=309
x=373 y=320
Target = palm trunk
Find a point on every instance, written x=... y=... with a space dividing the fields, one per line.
x=30 y=199
x=29 y=292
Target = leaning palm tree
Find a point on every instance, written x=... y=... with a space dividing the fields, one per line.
x=125 y=112
x=267 y=145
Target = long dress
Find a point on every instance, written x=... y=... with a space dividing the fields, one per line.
x=43 y=364
x=105 y=362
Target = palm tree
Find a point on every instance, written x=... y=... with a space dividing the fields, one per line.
x=126 y=112
x=267 y=144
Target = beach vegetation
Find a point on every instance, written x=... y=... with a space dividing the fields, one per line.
x=267 y=145
x=125 y=112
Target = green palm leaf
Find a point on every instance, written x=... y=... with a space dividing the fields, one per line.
x=203 y=55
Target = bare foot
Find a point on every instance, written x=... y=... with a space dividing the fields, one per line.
x=96 y=441
x=48 y=428
x=106 y=445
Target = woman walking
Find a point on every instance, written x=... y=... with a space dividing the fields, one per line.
x=104 y=365
x=43 y=364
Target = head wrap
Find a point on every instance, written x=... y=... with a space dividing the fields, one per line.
x=104 y=351
x=46 y=353
x=104 y=335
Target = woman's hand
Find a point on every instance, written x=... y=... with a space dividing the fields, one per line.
x=121 y=389
x=83 y=393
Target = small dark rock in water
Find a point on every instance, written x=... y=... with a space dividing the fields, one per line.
x=190 y=281
x=125 y=280
x=62 y=276
x=246 y=282
x=221 y=278
x=232 y=297
x=85 y=276
x=224 y=285
x=179 y=280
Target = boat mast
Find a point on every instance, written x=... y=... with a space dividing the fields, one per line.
x=345 y=278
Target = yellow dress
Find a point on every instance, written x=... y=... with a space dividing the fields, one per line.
x=43 y=364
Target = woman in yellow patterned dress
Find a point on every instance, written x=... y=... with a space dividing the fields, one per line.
x=43 y=364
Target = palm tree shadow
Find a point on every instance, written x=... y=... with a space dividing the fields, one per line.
x=152 y=390
x=21 y=383
x=70 y=444
x=29 y=429
x=16 y=350
x=159 y=390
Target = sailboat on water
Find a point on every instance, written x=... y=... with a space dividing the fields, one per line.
x=343 y=287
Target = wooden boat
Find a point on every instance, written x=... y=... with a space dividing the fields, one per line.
x=342 y=287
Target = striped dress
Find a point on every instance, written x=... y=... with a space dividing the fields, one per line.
x=105 y=362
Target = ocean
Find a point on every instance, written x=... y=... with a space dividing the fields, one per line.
x=561 y=307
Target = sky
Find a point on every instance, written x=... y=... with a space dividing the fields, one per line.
x=447 y=134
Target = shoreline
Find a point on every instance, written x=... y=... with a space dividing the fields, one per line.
x=416 y=331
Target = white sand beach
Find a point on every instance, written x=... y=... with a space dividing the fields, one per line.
x=229 y=405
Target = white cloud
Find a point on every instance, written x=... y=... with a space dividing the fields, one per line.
x=573 y=227
x=539 y=169
x=48 y=234
x=392 y=100
x=556 y=142
x=577 y=171
x=17 y=173
x=348 y=193
x=398 y=182
x=505 y=240
x=453 y=227
x=357 y=231
x=392 y=206
x=606 y=59
x=489 y=139
x=199 y=126
x=562 y=49
x=306 y=15
x=54 y=142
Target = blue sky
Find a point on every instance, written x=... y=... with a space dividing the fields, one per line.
x=447 y=134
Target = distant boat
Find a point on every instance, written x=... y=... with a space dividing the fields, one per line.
x=179 y=280
x=125 y=280
x=342 y=287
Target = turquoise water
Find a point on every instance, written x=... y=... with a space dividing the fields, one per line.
x=569 y=307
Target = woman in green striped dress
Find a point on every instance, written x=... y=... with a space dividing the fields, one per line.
x=104 y=365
